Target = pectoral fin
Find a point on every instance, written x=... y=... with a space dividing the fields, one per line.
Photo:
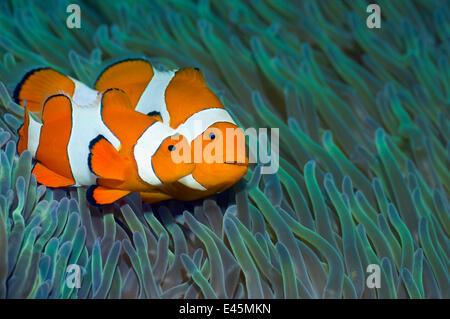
x=105 y=161
x=99 y=195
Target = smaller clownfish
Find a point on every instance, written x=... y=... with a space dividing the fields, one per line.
x=183 y=101
x=106 y=145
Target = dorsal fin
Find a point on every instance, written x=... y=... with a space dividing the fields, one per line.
x=116 y=98
x=38 y=84
x=192 y=75
x=132 y=76
x=187 y=94
x=119 y=116
x=57 y=107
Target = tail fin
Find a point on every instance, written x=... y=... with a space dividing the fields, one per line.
x=22 y=144
x=38 y=84
x=54 y=139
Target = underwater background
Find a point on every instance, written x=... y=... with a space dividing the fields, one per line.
x=363 y=118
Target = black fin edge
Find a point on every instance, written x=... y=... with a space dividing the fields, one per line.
x=91 y=146
x=90 y=196
x=23 y=80
x=117 y=62
x=154 y=113
x=110 y=90
x=51 y=97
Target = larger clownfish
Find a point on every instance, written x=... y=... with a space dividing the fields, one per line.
x=184 y=102
x=105 y=144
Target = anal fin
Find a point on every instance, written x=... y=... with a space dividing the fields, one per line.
x=99 y=195
x=49 y=178
x=154 y=197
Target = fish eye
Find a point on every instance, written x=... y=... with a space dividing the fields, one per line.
x=171 y=148
x=212 y=136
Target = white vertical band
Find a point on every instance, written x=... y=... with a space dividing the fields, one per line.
x=198 y=122
x=191 y=182
x=34 y=135
x=87 y=124
x=146 y=146
x=83 y=95
x=153 y=98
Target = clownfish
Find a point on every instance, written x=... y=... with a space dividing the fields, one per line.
x=103 y=143
x=184 y=102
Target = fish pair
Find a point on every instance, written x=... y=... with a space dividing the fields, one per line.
x=122 y=140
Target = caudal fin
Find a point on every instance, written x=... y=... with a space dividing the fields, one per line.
x=38 y=84
x=22 y=144
x=54 y=136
